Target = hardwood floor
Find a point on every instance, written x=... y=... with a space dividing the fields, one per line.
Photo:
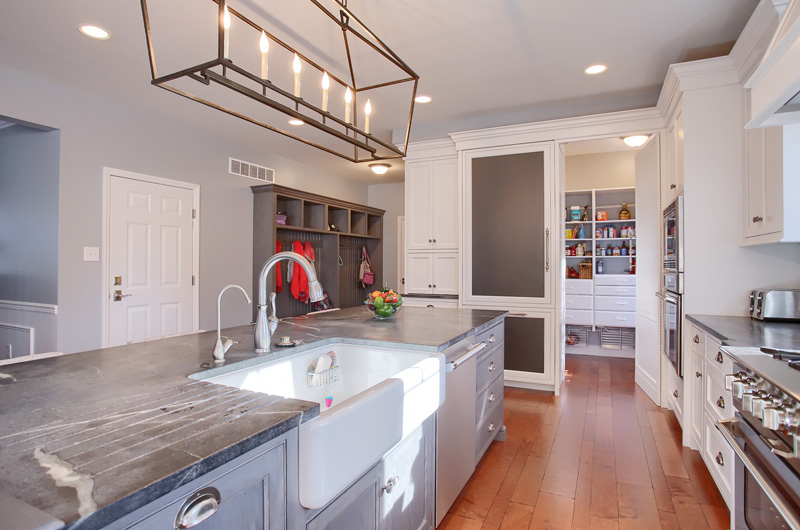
x=601 y=455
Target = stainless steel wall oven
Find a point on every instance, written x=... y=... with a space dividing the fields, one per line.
x=672 y=284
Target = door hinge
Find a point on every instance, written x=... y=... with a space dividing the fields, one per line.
x=192 y=279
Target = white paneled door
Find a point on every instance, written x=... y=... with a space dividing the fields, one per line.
x=150 y=243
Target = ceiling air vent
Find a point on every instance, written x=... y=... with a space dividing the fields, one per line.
x=252 y=171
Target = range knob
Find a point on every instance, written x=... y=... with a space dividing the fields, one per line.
x=749 y=396
x=774 y=418
x=740 y=383
x=761 y=402
x=731 y=379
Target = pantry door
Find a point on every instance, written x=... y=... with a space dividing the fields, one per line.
x=151 y=258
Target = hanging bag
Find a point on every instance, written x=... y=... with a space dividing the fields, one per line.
x=365 y=274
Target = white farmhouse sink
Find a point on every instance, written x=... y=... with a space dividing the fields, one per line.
x=382 y=396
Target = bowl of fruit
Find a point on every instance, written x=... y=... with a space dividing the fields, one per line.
x=383 y=304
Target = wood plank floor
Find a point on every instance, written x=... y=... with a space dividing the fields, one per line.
x=600 y=455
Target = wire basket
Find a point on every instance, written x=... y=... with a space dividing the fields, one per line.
x=585 y=272
x=324 y=378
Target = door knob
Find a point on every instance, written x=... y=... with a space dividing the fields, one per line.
x=118 y=296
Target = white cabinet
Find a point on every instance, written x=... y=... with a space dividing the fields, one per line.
x=432 y=273
x=432 y=200
x=675 y=396
x=695 y=376
x=672 y=185
x=615 y=300
x=770 y=184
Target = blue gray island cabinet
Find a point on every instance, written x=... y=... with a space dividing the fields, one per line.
x=123 y=438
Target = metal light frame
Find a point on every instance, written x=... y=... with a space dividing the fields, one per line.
x=346 y=132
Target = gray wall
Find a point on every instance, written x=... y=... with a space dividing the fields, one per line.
x=600 y=170
x=97 y=133
x=28 y=215
x=390 y=197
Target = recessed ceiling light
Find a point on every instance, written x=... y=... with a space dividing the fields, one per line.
x=379 y=169
x=423 y=99
x=295 y=121
x=595 y=69
x=95 y=32
x=636 y=141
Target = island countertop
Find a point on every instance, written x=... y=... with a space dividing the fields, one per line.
x=93 y=436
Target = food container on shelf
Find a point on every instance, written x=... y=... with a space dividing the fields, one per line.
x=602 y=215
x=575 y=213
x=569 y=233
x=280 y=218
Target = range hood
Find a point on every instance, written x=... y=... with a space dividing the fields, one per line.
x=774 y=88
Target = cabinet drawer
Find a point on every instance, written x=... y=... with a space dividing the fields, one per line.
x=488 y=399
x=718 y=401
x=488 y=367
x=675 y=396
x=493 y=335
x=487 y=430
x=614 y=290
x=615 y=319
x=578 y=286
x=578 y=317
x=615 y=303
x=718 y=361
x=574 y=301
x=719 y=458
x=615 y=279
x=698 y=338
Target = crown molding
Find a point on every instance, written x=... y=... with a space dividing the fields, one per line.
x=595 y=125
x=438 y=148
x=694 y=75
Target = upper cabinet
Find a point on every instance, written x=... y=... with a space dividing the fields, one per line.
x=672 y=185
x=772 y=181
x=432 y=204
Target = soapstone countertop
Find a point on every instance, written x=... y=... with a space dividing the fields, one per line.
x=92 y=436
x=746 y=331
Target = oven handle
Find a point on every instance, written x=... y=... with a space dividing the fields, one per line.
x=724 y=427
x=668 y=299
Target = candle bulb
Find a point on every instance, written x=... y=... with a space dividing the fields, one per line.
x=226 y=26
x=367 y=112
x=264 y=45
x=296 y=66
x=348 y=97
x=326 y=84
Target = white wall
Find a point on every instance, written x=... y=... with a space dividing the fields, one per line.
x=600 y=170
x=389 y=197
x=720 y=272
x=97 y=133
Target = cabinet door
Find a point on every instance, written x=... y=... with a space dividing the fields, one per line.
x=419 y=233
x=697 y=375
x=406 y=484
x=419 y=273
x=357 y=507
x=509 y=237
x=444 y=207
x=754 y=184
x=529 y=347
x=679 y=164
x=445 y=273
x=773 y=180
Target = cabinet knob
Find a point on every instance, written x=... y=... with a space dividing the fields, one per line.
x=491 y=427
x=673 y=186
x=390 y=484
x=491 y=338
x=491 y=366
x=721 y=402
x=429 y=286
x=434 y=286
x=696 y=339
x=698 y=374
x=719 y=459
x=198 y=507
x=675 y=392
x=757 y=219
x=434 y=240
x=719 y=358
x=491 y=397
x=430 y=241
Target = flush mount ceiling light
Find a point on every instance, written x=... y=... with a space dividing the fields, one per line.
x=294 y=121
x=94 y=32
x=379 y=169
x=636 y=140
x=595 y=69
x=338 y=80
x=423 y=99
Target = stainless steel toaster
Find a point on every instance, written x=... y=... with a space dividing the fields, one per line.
x=775 y=304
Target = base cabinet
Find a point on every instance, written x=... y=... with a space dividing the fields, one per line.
x=396 y=493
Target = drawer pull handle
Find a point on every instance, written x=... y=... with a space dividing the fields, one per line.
x=696 y=339
x=491 y=366
x=757 y=219
x=390 y=484
x=675 y=392
x=719 y=358
x=491 y=338
x=197 y=508
x=518 y=314
x=491 y=427
x=622 y=318
x=719 y=459
x=673 y=186
x=491 y=397
x=622 y=303
x=698 y=374
x=721 y=402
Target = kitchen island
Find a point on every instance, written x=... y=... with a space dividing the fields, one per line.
x=94 y=436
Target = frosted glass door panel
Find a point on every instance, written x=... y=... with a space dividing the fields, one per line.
x=508 y=225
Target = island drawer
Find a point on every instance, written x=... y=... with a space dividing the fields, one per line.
x=718 y=400
x=488 y=429
x=488 y=366
x=718 y=361
x=492 y=336
x=488 y=399
x=698 y=338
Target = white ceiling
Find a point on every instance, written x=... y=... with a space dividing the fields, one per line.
x=488 y=63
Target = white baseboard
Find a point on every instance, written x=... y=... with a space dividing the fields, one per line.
x=649 y=385
x=599 y=351
x=529 y=386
